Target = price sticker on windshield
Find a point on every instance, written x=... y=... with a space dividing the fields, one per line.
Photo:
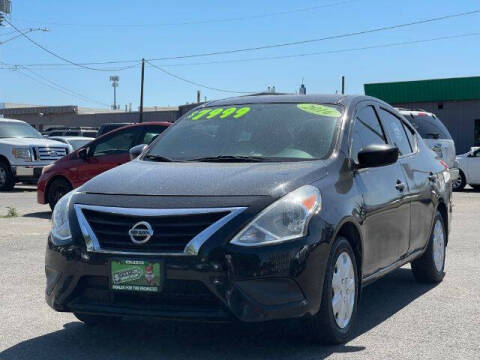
x=221 y=113
x=321 y=110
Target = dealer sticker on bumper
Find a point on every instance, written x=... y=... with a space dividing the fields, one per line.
x=136 y=275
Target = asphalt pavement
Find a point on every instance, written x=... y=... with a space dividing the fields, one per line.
x=398 y=318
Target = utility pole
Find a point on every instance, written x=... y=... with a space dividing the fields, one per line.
x=5 y=9
x=343 y=84
x=114 y=79
x=141 y=90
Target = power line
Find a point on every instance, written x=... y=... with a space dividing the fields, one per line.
x=59 y=56
x=263 y=47
x=332 y=37
x=46 y=82
x=196 y=83
x=337 y=51
x=205 y=21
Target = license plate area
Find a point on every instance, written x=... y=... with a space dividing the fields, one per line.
x=133 y=275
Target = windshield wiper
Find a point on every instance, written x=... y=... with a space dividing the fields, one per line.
x=158 y=158
x=232 y=158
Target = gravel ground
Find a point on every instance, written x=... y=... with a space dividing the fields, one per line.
x=399 y=319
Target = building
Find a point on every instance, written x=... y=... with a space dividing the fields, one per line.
x=456 y=101
x=43 y=117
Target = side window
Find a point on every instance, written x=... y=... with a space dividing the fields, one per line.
x=118 y=143
x=366 y=131
x=411 y=137
x=394 y=128
x=150 y=133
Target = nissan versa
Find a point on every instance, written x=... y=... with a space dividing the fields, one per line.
x=254 y=208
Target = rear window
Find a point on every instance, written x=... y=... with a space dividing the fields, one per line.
x=429 y=127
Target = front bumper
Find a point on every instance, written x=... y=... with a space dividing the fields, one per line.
x=28 y=173
x=275 y=282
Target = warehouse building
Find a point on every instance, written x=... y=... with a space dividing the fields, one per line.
x=44 y=117
x=456 y=101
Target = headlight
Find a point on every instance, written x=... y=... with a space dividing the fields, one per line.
x=22 y=153
x=60 y=225
x=285 y=219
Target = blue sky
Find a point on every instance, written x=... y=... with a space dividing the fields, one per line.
x=78 y=32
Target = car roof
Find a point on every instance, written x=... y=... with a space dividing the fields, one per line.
x=415 y=112
x=3 y=120
x=71 y=137
x=263 y=98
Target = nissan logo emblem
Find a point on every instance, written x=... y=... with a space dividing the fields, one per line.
x=141 y=232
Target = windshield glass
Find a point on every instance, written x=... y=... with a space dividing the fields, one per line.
x=429 y=127
x=262 y=131
x=18 y=130
x=76 y=144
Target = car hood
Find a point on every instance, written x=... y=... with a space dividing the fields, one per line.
x=31 y=142
x=206 y=179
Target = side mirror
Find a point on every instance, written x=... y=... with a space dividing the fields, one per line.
x=83 y=153
x=136 y=151
x=377 y=155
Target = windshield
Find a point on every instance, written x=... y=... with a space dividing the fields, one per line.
x=429 y=127
x=76 y=144
x=257 y=131
x=18 y=130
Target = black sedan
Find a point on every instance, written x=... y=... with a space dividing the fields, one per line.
x=254 y=208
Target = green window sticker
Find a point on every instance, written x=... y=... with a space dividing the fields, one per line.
x=219 y=112
x=320 y=110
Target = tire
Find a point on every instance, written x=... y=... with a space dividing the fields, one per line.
x=92 y=320
x=56 y=190
x=429 y=268
x=459 y=184
x=7 y=180
x=328 y=326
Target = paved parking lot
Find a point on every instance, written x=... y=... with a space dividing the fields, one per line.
x=399 y=319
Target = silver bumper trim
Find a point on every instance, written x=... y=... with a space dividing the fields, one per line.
x=193 y=246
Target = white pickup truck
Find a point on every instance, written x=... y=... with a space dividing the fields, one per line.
x=24 y=152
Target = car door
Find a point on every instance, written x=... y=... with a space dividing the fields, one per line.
x=108 y=152
x=473 y=167
x=386 y=222
x=417 y=169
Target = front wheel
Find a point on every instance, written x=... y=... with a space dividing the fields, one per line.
x=58 y=188
x=334 y=322
x=429 y=267
x=459 y=182
x=7 y=180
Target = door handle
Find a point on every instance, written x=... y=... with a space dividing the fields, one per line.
x=400 y=186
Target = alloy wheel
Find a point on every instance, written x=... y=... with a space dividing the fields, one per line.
x=343 y=290
x=438 y=245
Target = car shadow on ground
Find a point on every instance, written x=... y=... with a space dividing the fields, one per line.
x=131 y=339
x=20 y=189
x=39 y=215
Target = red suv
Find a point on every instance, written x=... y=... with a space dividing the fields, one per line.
x=102 y=154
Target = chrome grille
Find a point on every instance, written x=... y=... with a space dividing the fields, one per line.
x=51 y=153
x=175 y=231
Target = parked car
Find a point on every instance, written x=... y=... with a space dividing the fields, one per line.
x=105 y=128
x=83 y=131
x=435 y=135
x=74 y=142
x=469 y=165
x=100 y=155
x=24 y=152
x=255 y=208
